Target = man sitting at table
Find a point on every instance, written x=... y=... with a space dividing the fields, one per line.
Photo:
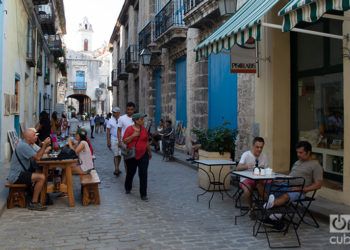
x=247 y=162
x=20 y=169
x=305 y=167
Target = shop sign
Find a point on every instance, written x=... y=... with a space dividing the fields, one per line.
x=243 y=59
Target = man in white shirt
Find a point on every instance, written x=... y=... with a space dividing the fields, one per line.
x=250 y=159
x=73 y=125
x=125 y=121
x=112 y=139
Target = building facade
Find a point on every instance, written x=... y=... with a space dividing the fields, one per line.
x=88 y=75
x=31 y=42
x=174 y=85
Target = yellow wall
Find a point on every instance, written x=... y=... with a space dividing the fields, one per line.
x=272 y=109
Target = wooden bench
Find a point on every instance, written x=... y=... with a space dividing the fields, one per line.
x=17 y=195
x=89 y=188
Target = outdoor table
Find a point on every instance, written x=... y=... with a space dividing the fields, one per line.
x=66 y=166
x=249 y=174
x=215 y=182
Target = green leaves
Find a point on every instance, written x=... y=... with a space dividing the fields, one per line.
x=220 y=139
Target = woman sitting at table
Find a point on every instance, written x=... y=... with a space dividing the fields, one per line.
x=82 y=149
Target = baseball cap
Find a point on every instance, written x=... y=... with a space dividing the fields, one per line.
x=34 y=130
x=115 y=109
x=138 y=116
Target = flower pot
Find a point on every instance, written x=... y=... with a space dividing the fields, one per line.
x=203 y=179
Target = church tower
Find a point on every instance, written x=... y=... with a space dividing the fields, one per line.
x=86 y=33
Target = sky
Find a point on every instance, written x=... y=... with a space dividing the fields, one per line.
x=102 y=14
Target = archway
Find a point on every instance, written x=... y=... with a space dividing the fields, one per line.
x=84 y=103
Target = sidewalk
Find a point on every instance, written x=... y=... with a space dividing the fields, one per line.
x=321 y=207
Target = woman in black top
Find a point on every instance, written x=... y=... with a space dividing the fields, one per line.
x=44 y=126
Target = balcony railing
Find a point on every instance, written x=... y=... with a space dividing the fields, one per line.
x=114 y=77
x=55 y=45
x=38 y=2
x=191 y=4
x=132 y=58
x=146 y=35
x=170 y=15
x=79 y=85
x=122 y=74
x=46 y=18
x=30 y=47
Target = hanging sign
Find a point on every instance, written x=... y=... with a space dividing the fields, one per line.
x=243 y=59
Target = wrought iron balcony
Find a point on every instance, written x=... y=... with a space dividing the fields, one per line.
x=79 y=85
x=132 y=59
x=146 y=35
x=46 y=18
x=30 y=48
x=114 y=77
x=170 y=27
x=55 y=45
x=191 y=4
x=38 y=2
x=201 y=13
x=122 y=74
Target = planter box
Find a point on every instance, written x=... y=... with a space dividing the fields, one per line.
x=203 y=180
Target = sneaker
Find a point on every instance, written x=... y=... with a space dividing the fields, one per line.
x=276 y=216
x=144 y=198
x=36 y=206
x=189 y=159
x=117 y=173
x=270 y=201
x=268 y=222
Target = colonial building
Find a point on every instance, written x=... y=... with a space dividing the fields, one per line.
x=88 y=74
x=33 y=63
x=173 y=85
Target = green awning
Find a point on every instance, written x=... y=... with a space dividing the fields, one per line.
x=244 y=24
x=297 y=11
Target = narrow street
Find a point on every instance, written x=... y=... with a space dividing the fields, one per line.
x=172 y=219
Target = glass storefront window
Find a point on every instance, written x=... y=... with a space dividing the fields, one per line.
x=319 y=93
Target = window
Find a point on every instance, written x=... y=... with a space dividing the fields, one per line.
x=86 y=45
x=318 y=92
x=80 y=80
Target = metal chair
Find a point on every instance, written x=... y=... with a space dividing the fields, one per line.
x=302 y=208
x=287 y=211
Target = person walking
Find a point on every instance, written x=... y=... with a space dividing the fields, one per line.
x=97 y=123
x=136 y=136
x=92 y=125
x=64 y=126
x=73 y=125
x=112 y=139
x=125 y=121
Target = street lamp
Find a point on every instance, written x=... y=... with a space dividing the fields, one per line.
x=227 y=7
x=145 y=57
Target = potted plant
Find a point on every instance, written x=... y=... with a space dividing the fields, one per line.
x=220 y=140
x=216 y=143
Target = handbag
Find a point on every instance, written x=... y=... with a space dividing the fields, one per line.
x=66 y=154
x=129 y=153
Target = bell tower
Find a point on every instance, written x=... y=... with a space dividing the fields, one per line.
x=86 y=33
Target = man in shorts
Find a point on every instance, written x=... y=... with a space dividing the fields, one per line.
x=112 y=139
x=305 y=167
x=248 y=161
x=20 y=168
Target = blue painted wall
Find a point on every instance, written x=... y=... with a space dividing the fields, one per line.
x=222 y=91
x=158 y=86
x=181 y=100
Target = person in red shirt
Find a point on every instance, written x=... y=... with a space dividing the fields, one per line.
x=137 y=136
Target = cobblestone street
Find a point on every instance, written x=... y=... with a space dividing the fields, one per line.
x=172 y=219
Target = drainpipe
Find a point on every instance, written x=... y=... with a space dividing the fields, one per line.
x=1 y=70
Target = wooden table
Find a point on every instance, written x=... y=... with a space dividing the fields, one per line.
x=66 y=166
